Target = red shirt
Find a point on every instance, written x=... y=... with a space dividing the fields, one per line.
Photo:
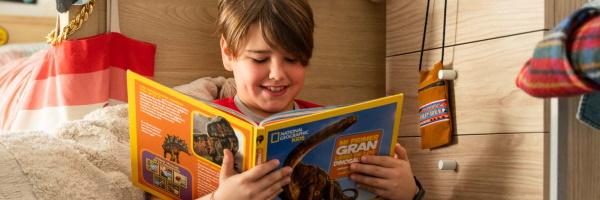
x=230 y=103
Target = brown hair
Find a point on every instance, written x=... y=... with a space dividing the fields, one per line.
x=286 y=24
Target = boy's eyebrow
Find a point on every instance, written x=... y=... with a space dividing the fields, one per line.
x=259 y=51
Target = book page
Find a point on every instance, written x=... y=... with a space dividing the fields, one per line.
x=321 y=147
x=293 y=113
x=177 y=142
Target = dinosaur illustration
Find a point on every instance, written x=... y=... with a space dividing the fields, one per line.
x=173 y=145
x=311 y=182
x=219 y=135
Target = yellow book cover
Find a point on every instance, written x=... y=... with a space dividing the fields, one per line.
x=177 y=142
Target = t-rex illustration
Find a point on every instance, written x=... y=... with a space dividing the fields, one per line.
x=173 y=145
x=311 y=182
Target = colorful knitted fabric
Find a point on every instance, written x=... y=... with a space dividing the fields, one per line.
x=567 y=61
x=585 y=51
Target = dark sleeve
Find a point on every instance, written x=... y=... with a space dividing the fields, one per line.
x=420 y=192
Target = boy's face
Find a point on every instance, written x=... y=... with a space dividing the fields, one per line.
x=267 y=80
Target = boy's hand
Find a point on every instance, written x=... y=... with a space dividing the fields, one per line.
x=390 y=178
x=260 y=182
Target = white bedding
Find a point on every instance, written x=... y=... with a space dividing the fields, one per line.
x=82 y=159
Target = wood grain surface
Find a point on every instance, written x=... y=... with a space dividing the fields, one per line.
x=27 y=29
x=496 y=166
x=486 y=97
x=466 y=21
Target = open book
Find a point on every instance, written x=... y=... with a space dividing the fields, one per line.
x=177 y=142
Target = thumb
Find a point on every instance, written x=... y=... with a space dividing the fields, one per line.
x=401 y=152
x=227 y=166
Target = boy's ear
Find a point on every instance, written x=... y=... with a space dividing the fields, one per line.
x=226 y=54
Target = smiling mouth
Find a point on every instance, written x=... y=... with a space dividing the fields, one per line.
x=274 y=88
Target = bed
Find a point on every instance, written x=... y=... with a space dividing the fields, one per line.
x=88 y=158
x=82 y=159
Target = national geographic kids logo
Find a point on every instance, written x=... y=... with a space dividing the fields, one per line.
x=3 y=36
x=295 y=135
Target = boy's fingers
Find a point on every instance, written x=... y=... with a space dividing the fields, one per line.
x=401 y=152
x=383 y=161
x=262 y=169
x=371 y=170
x=373 y=182
x=280 y=177
x=274 y=189
x=227 y=166
x=274 y=195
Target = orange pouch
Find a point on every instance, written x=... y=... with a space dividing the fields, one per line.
x=435 y=117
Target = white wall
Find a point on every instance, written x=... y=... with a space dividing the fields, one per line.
x=41 y=8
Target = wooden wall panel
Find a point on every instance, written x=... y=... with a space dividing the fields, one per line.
x=562 y=8
x=348 y=59
x=486 y=97
x=497 y=166
x=95 y=24
x=26 y=29
x=348 y=62
x=466 y=21
x=582 y=157
x=183 y=32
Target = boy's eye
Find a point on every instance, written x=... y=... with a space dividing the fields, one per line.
x=291 y=60
x=257 y=60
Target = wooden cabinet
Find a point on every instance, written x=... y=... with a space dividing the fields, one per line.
x=467 y=21
x=494 y=166
x=501 y=136
x=485 y=95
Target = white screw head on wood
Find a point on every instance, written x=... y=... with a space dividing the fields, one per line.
x=447 y=164
x=447 y=74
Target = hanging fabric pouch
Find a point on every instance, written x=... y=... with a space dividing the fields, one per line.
x=434 y=109
x=435 y=119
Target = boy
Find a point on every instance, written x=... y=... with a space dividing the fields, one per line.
x=267 y=45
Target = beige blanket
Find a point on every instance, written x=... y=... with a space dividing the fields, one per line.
x=83 y=159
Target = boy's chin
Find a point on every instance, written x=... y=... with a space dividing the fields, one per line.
x=275 y=108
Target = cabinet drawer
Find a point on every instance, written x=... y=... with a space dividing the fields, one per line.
x=466 y=21
x=486 y=98
x=496 y=166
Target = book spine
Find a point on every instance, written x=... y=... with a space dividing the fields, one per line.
x=396 y=129
x=260 y=146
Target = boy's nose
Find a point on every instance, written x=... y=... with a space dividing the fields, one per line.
x=276 y=71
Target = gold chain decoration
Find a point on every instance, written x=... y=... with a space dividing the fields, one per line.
x=73 y=25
